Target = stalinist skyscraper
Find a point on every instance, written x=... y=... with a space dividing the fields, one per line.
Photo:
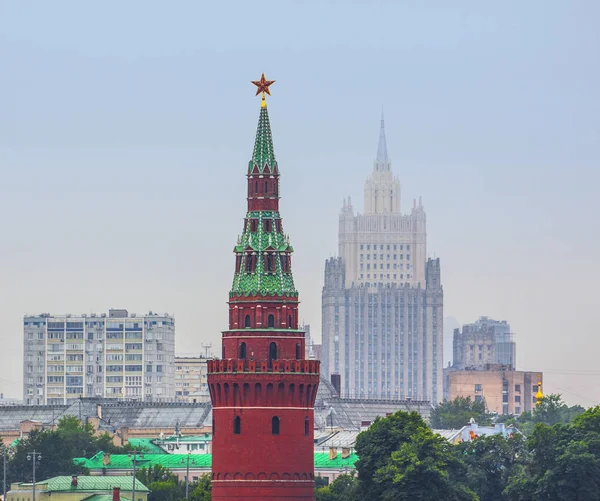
x=382 y=298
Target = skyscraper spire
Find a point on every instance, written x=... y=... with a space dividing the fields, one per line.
x=382 y=163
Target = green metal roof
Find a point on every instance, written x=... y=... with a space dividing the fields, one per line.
x=123 y=462
x=91 y=483
x=178 y=461
x=264 y=153
x=146 y=445
x=322 y=461
x=184 y=439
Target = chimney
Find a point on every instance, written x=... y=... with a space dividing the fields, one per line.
x=106 y=459
x=364 y=425
x=336 y=382
x=345 y=452
x=332 y=452
x=116 y=494
x=74 y=481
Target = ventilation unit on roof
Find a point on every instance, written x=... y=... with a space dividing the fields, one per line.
x=93 y=315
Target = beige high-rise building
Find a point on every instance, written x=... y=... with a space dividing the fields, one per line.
x=382 y=320
x=382 y=245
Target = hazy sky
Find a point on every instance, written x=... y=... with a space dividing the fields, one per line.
x=126 y=128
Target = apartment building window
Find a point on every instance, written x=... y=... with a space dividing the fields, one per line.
x=478 y=387
x=518 y=399
x=517 y=387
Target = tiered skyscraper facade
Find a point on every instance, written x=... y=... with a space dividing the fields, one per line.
x=116 y=356
x=382 y=304
x=263 y=390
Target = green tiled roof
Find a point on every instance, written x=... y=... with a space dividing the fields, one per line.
x=322 y=461
x=91 y=483
x=277 y=283
x=178 y=461
x=264 y=153
x=184 y=439
x=146 y=445
x=122 y=461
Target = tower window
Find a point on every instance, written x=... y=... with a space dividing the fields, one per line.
x=266 y=186
x=255 y=186
x=270 y=263
x=249 y=263
x=272 y=353
x=271 y=321
x=237 y=425
x=253 y=225
x=289 y=321
x=306 y=426
x=268 y=225
x=275 y=425
x=243 y=351
x=298 y=351
x=247 y=321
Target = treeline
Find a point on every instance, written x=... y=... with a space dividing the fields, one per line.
x=402 y=459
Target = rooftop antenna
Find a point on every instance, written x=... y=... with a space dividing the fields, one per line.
x=206 y=347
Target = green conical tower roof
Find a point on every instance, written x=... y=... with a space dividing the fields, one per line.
x=263 y=156
x=263 y=250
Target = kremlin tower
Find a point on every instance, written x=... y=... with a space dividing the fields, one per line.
x=263 y=389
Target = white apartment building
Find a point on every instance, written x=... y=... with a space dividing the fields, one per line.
x=190 y=379
x=119 y=355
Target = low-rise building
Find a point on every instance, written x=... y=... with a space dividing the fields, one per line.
x=80 y=488
x=504 y=390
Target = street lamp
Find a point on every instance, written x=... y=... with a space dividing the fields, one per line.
x=4 y=452
x=34 y=457
x=187 y=475
x=134 y=456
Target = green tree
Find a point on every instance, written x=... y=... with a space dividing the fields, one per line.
x=562 y=462
x=343 y=488
x=454 y=414
x=375 y=446
x=490 y=461
x=57 y=447
x=201 y=489
x=426 y=468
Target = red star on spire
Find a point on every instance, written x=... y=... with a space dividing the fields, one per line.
x=262 y=85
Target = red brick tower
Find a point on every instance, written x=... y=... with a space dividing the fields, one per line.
x=263 y=390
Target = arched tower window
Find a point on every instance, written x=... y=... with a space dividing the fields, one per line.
x=272 y=353
x=275 y=425
x=247 y=321
x=298 y=351
x=306 y=426
x=237 y=425
x=243 y=351
x=289 y=321
x=270 y=264
x=249 y=263
x=271 y=321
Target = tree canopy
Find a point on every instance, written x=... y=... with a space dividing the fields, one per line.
x=454 y=414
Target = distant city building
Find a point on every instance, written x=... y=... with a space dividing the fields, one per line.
x=382 y=301
x=313 y=350
x=484 y=342
x=504 y=390
x=190 y=379
x=119 y=355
